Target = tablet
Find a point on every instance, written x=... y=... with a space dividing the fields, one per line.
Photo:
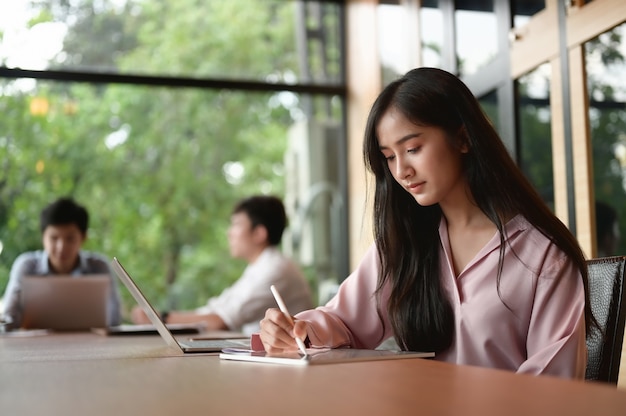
x=320 y=356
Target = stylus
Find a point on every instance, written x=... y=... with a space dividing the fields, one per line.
x=284 y=310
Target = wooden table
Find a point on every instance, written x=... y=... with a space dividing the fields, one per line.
x=88 y=374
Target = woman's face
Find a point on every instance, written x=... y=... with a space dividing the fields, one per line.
x=421 y=159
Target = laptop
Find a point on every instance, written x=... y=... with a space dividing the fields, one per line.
x=65 y=303
x=149 y=329
x=183 y=346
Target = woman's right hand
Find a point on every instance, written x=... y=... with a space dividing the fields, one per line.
x=278 y=334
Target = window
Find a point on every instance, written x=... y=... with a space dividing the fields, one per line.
x=476 y=36
x=534 y=126
x=158 y=116
x=606 y=71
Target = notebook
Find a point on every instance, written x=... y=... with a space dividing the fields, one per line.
x=321 y=356
x=65 y=303
x=183 y=346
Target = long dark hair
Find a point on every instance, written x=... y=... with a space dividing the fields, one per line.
x=406 y=234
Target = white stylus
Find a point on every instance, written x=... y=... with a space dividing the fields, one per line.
x=284 y=310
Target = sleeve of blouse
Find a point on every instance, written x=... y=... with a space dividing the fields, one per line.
x=351 y=318
x=556 y=334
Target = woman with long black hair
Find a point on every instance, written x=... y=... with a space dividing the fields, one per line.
x=467 y=259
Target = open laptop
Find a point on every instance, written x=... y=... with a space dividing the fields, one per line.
x=65 y=303
x=149 y=329
x=184 y=346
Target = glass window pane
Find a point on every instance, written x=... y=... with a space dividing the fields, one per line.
x=159 y=170
x=523 y=11
x=476 y=36
x=431 y=24
x=535 y=138
x=393 y=41
x=489 y=104
x=271 y=40
x=606 y=71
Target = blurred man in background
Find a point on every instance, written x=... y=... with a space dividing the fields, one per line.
x=256 y=228
x=63 y=226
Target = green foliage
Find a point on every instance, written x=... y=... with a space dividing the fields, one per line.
x=44 y=16
x=226 y=38
x=536 y=154
x=150 y=163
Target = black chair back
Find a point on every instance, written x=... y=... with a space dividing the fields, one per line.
x=607 y=297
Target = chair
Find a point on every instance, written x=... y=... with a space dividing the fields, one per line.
x=608 y=303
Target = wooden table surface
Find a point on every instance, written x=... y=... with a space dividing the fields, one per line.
x=88 y=374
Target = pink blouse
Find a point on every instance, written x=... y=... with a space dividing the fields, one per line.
x=541 y=332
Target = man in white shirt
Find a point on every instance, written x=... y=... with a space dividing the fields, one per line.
x=256 y=228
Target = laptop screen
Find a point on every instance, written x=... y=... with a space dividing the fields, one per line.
x=71 y=303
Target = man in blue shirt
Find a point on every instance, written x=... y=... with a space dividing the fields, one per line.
x=64 y=230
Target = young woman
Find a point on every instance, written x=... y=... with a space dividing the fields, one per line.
x=467 y=259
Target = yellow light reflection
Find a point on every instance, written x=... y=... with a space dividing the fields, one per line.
x=39 y=106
